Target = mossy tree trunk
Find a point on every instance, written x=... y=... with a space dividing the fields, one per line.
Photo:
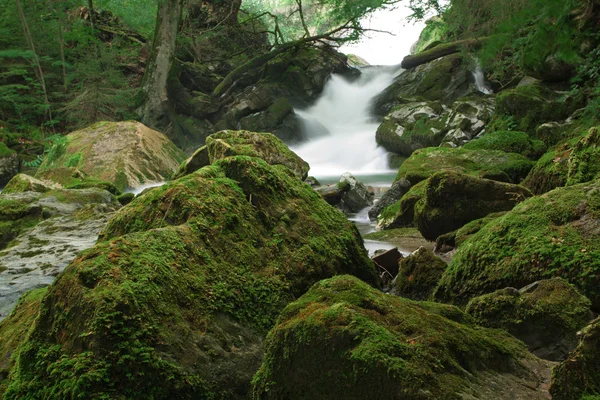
x=439 y=51
x=154 y=85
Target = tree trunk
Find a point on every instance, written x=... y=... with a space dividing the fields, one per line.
x=154 y=109
x=438 y=52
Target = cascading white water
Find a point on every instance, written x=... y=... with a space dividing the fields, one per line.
x=480 y=81
x=341 y=128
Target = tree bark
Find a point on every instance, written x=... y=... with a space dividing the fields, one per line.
x=438 y=52
x=154 y=109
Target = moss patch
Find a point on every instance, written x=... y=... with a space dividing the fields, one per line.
x=510 y=142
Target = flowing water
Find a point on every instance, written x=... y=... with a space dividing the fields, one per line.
x=480 y=82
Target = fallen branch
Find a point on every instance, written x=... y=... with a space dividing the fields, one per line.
x=439 y=52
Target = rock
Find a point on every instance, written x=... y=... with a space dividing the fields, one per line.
x=125 y=198
x=9 y=164
x=545 y=315
x=399 y=188
x=554 y=69
x=387 y=347
x=451 y=200
x=25 y=183
x=401 y=214
x=446 y=79
x=553 y=235
x=183 y=285
x=418 y=275
x=449 y=241
x=126 y=154
x=263 y=145
x=552 y=133
x=387 y=261
x=189 y=133
x=279 y=119
x=407 y=239
x=510 y=142
x=579 y=375
x=528 y=81
x=333 y=194
x=312 y=181
x=196 y=161
x=467 y=119
x=44 y=232
x=489 y=164
x=358 y=196
x=357 y=61
x=575 y=161
x=412 y=126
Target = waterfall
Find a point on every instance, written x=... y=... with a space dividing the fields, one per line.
x=480 y=80
x=341 y=128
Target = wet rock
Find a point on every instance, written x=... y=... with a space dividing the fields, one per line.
x=510 y=142
x=546 y=315
x=452 y=200
x=196 y=161
x=9 y=164
x=399 y=188
x=358 y=196
x=333 y=194
x=579 y=375
x=126 y=154
x=387 y=261
x=388 y=347
x=467 y=120
x=401 y=214
x=418 y=275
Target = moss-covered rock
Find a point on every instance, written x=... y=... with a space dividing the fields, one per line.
x=406 y=239
x=545 y=315
x=262 y=145
x=14 y=330
x=196 y=161
x=489 y=164
x=126 y=154
x=401 y=214
x=279 y=119
x=467 y=119
x=575 y=161
x=418 y=275
x=451 y=240
x=343 y=339
x=186 y=281
x=578 y=377
x=18 y=213
x=9 y=164
x=451 y=200
x=510 y=142
x=553 y=235
x=25 y=183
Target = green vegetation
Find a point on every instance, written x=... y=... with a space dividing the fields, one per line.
x=510 y=142
x=418 y=275
x=376 y=343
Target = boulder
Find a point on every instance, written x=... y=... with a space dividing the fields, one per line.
x=401 y=214
x=510 y=142
x=387 y=347
x=418 y=275
x=572 y=162
x=399 y=188
x=553 y=235
x=579 y=375
x=446 y=79
x=546 y=315
x=126 y=154
x=387 y=262
x=279 y=119
x=451 y=240
x=266 y=146
x=451 y=200
x=183 y=285
x=357 y=196
x=407 y=239
x=333 y=194
x=196 y=161
x=41 y=233
x=489 y=164
x=467 y=120
x=25 y=183
x=9 y=164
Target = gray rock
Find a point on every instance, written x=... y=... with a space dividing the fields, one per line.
x=358 y=196
x=398 y=189
x=9 y=167
x=468 y=119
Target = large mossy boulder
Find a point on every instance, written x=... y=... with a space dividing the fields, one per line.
x=489 y=164
x=344 y=339
x=401 y=214
x=126 y=154
x=418 y=275
x=451 y=200
x=9 y=164
x=553 y=235
x=446 y=79
x=545 y=315
x=176 y=298
x=449 y=241
x=467 y=119
x=25 y=183
x=393 y=195
x=575 y=161
x=510 y=142
x=578 y=377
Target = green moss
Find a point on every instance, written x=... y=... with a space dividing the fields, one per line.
x=16 y=215
x=404 y=138
x=459 y=236
x=402 y=213
x=418 y=275
x=553 y=235
x=375 y=343
x=491 y=164
x=510 y=142
x=5 y=151
x=87 y=183
x=183 y=286
x=394 y=234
